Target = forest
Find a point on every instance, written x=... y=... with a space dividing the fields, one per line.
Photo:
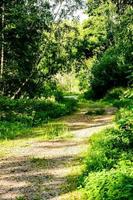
x=66 y=100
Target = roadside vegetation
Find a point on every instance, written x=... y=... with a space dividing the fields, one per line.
x=52 y=64
x=108 y=164
x=18 y=117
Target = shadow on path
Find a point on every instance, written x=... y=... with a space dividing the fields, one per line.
x=39 y=171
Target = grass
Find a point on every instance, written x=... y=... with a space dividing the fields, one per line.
x=108 y=165
x=53 y=130
x=18 y=117
x=50 y=131
x=19 y=136
x=74 y=195
x=89 y=104
x=20 y=198
x=72 y=189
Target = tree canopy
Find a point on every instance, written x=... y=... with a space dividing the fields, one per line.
x=41 y=38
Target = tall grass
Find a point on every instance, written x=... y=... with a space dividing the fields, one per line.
x=18 y=116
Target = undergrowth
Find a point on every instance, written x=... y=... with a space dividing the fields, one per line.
x=17 y=117
x=108 y=164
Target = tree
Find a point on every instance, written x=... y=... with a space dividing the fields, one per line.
x=2 y=38
x=115 y=65
x=108 y=44
x=25 y=22
x=120 y=4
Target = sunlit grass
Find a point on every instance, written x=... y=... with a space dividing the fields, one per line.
x=50 y=131
x=75 y=195
x=83 y=103
x=72 y=189
x=20 y=198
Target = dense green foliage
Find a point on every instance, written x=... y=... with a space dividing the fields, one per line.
x=18 y=115
x=22 y=28
x=114 y=184
x=108 y=164
x=108 y=34
x=114 y=94
x=31 y=43
x=38 y=40
x=40 y=43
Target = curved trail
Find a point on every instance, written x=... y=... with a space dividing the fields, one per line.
x=39 y=169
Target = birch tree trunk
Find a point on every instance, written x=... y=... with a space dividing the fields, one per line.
x=2 y=41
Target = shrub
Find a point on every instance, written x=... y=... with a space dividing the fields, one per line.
x=71 y=104
x=107 y=74
x=109 y=71
x=26 y=110
x=115 y=93
x=90 y=94
x=115 y=184
x=124 y=119
x=16 y=115
x=106 y=147
x=10 y=130
x=125 y=122
x=104 y=152
x=58 y=95
x=108 y=172
x=126 y=99
x=128 y=94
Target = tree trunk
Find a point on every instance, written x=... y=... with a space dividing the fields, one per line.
x=2 y=41
x=2 y=47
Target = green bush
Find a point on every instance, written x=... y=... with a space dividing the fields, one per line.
x=126 y=99
x=104 y=152
x=59 y=95
x=115 y=93
x=28 y=113
x=26 y=110
x=121 y=103
x=128 y=94
x=108 y=171
x=90 y=94
x=116 y=184
x=107 y=73
x=106 y=147
x=71 y=104
x=10 y=130
x=125 y=122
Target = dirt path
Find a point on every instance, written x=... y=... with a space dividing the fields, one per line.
x=39 y=169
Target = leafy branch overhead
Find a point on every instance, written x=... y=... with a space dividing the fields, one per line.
x=23 y=24
x=40 y=39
